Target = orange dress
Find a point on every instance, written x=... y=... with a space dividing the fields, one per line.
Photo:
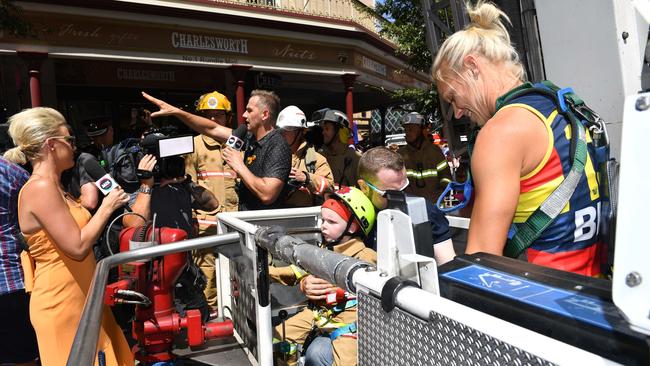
x=60 y=285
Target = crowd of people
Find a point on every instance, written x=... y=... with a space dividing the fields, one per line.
x=53 y=218
x=286 y=161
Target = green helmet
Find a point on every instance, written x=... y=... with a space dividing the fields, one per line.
x=362 y=208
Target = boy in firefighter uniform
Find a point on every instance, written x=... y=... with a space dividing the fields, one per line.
x=310 y=174
x=343 y=159
x=207 y=167
x=347 y=218
x=426 y=165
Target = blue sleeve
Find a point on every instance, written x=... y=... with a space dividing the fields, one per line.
x=439 y=224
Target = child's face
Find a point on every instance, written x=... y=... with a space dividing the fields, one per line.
x=333 y=224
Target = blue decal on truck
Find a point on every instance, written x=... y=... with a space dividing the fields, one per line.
x=563 y=302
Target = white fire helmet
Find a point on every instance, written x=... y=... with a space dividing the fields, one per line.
x=291 y=118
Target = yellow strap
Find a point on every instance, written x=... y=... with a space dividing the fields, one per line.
x=298 y=272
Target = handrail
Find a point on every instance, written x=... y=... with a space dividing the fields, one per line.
x=84 y=345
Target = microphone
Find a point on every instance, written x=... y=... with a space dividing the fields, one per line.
x=104 y=182
x=236 y=140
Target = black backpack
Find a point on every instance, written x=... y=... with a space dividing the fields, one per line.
x=121 y=162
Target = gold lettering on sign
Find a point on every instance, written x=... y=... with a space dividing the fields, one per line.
x=289 y=52
x=120 y=38
x=149 y=75
x=72 y=31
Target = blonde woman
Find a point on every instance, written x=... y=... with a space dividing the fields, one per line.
x=521 y=153
x=60 y=234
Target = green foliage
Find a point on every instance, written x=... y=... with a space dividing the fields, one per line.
x=406 y=27
x=404 y=24
x=11 y=20
x=425 y=100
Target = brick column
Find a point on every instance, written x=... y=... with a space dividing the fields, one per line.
x=239 y=77
x=348 y=82
x=34 y=60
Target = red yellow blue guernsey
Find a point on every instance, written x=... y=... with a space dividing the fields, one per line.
x=571 y=242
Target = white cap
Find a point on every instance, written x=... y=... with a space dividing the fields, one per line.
x=291 y=117
x=414 y=118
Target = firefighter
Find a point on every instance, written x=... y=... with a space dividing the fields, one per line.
x=426 y=166
x=207 y=167
x=310 y=174
x=343 y=160
x=348 y=216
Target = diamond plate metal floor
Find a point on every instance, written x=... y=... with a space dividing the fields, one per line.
x=226 y=351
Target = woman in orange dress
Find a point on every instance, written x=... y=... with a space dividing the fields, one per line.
x=60 y=234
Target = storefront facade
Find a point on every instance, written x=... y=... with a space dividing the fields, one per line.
x=95 y=57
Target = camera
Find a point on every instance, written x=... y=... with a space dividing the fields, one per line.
x=168 y=147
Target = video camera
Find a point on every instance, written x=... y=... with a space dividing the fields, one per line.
x=168 y=147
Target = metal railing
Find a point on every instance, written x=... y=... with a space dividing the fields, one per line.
x=246 y=274
x=350 y=10
x=84 y=346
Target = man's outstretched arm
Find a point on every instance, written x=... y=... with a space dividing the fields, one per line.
x=199 y=124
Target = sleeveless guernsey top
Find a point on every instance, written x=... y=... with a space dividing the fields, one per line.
x=570 y=243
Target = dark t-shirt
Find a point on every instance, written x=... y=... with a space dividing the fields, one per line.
x=172 y=205
x=439 y=227
x=75 y=177
x=268 y=158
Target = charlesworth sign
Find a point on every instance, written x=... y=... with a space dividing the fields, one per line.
x=115 y=36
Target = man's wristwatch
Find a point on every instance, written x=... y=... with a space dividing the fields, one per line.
x=144 y=189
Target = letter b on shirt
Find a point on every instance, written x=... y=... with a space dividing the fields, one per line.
x=586 y=221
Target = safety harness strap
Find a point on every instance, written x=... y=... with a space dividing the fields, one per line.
x=298 y=272
x=349 y=328
x=285 y=347
x=324 y=316
x=527 y=232
x=344 y=306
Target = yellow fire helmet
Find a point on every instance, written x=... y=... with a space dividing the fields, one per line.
x=213 y=101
